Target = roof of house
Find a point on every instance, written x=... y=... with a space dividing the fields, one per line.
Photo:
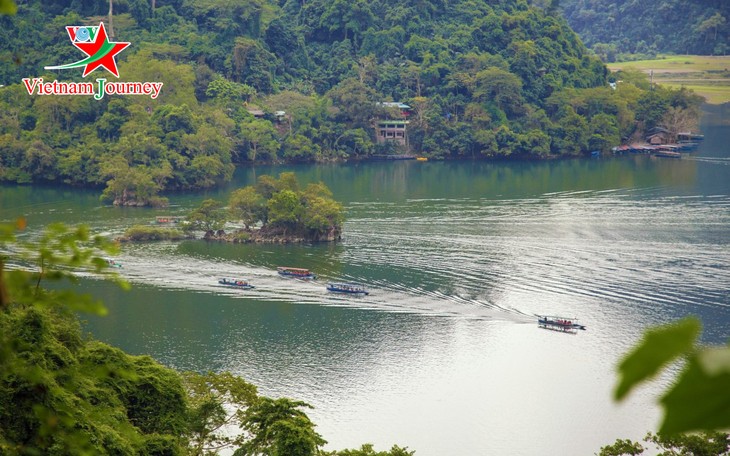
x=394 y=104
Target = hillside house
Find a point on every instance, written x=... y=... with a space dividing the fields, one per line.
x=395 y=127
x=658 y=135
x=392 y=130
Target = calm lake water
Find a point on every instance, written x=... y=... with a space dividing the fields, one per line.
x=444 y=356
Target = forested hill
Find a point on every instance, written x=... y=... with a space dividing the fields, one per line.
x=614 y=27
x=483 y=78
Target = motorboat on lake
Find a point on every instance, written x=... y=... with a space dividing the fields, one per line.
x=350 y=288
x=297 y=273
x=559 y=323
x=113 y=263
x=235 y=283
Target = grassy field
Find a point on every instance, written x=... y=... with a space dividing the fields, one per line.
x=709 y=76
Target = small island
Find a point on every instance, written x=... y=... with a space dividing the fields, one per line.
x=271 y=211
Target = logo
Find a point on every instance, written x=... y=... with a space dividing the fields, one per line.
x=100 y=53
x=93 y=42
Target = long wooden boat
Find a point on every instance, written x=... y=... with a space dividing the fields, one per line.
x=168 y=219
x=350 y=288
x=235 y=283
x=559 y=323
x=297 y=273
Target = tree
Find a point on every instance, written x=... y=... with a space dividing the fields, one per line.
x=355 y=102
x=229 y=93
x=209 y=216
x=678 y=120
x=701 y=444
x=266 y=186
x=62 y=393
x=322 y=215
x=300 y=148
x=501 y=86
x=280 y=428
x=603 y=132
x=285 y=209
x=217 y=404
x=622 y=447
x=711 y=23
x=261 y=138
x=247 y=205
x=133 y=185
x=368 y=450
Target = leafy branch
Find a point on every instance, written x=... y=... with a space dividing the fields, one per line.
x=699 y=398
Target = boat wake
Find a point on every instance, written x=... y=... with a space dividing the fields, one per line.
x=153 y=265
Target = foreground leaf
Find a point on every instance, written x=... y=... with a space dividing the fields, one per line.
x=698 y=401
x=8 y=7
x=659 y=347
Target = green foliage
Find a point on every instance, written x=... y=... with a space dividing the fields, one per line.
x=279 y=428
x=152 y=233
x=217 y=401
x=699 y=398
x=8 y=7
x=248 y=205
x=54 y=256
x=280 y=204
x=209 y=216
x=284 y=209
x=59 y=392
x=659 y=347
x=701 y=444
x=682 y=27
x=622 y=447
x=468 y=68
x=368 y=450
x=483 y=79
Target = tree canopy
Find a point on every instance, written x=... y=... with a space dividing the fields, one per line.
x=302 y=82
x=612 y=28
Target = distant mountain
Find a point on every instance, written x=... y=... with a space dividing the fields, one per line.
x=614 y=27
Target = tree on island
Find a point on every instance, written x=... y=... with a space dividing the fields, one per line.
x=282 y=209
x=210 y=216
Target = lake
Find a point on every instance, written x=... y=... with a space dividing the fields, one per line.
x=445 y=355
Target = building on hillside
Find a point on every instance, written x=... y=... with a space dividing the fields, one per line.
x=658 y=135
x=392 y=130
x=395 y=126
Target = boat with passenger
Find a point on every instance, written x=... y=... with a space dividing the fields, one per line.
x=168 y=220
x=350 y=288
x=297 y=273
x=113 y=263
x=235 y=283
x=559 y=323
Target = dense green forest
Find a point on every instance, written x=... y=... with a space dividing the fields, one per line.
x=612 y=28
x=304 y=81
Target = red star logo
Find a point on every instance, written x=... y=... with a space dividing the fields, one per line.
x=101 y=51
